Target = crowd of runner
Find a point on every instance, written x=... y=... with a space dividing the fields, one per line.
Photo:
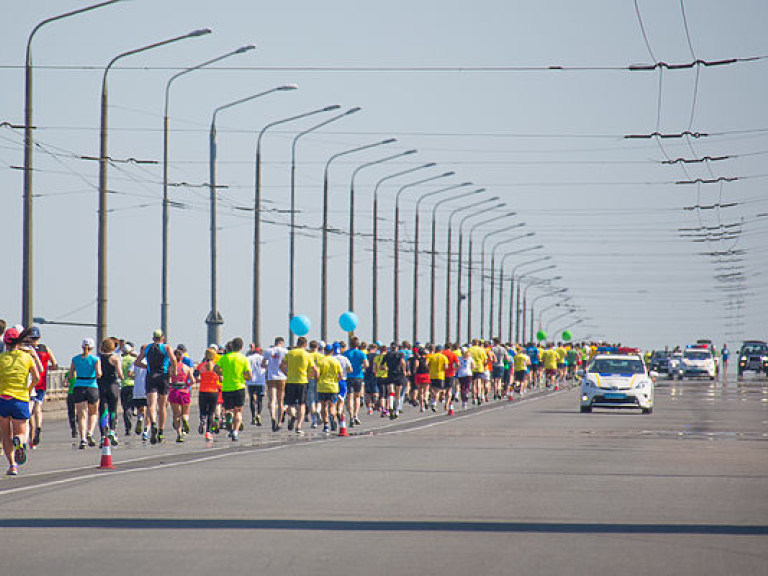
x=314 y=384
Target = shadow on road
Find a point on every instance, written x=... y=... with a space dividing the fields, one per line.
x=383 y=526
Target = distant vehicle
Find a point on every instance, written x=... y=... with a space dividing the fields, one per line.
x=674 y=365
x=660 y=361
x=617 y=381
x=753 y=356
x=711 y=345
x=697 y=361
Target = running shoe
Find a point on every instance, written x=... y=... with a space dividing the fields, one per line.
x=201 y=428
x=160 y=437
x=325 y=429
x=208 y=437
x=235 y=437
x=153 y=435
x=393 y=415
x=19 y=450
x=36 y=439
x=145 y=436
x=299 y=432
x=241 y=427
x=274 y=425
x=228 y=422
x=333 y=424
x=180 y=438
x=139 y=426
x=13 y=470
x=258 y=420
x=356 y=421
x=291 y=422
x=91 y=441
x=185 y=426
x=113 y=438
x=253 y=421
x=83 y=444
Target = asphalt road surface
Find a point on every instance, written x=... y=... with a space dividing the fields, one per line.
x=524 y=487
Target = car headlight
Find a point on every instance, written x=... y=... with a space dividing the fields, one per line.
x=743 y=358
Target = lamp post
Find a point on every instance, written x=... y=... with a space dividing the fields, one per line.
x=101 y=305
x=512 y=282
x=469 y=268
x=214 y=319
x=324 y=256
x=495 y=249
x=568 y=311
x=416 y=256
x=166 y=203
x=493 y=272
x=539 y=297
x=534 y=282
x=518 y=322
x=292 y=240
x=256 y=322
x=571 y=325
x=396 y=289
x=459 y=295
x=449 y=260
x=375 y=240
x=27 y=272
x=351 y=248
x=433 y=264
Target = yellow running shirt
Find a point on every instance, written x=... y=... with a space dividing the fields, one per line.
x=329 y=371
x=521 y=362
x=549 y=359
x=480 y=358
x=437 y=364
x=299 y=362
x=14 y=369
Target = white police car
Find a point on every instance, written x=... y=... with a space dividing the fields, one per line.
x=674 y=365
x=618 y=380
x=697 y=362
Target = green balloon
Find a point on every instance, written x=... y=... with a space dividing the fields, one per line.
x=567 y=335
x=541 y=335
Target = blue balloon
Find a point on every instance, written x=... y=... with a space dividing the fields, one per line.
x=300 y=325
x=348 y=321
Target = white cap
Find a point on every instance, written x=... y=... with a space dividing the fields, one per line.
x=89 y=343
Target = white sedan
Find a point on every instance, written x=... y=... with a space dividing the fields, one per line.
x=617 y=381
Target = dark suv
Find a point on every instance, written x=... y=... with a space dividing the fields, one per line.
x=660 y=361
x=753 y=356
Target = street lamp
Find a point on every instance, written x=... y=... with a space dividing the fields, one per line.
x=532 y=283
x=324 y=256
x=101 y=305
x=448 y=265
x=416 y=256
x=351 y=249
x=517 y=307
x=166 y=202
x=459 y=295
x=214 y=319
x=448 y=255
x=396 y=291
x=545 y=295
x=469 y=268
x=375 y=282
x=42 y=321
x=26 y=256
x=495 y=248
x=512 y=282
x=256 y=322
x=493 y=266
x=292 y=242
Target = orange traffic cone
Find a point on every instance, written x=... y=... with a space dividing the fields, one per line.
x=106 y=455
x=343 y=426
x=510 y=397
x=450 y=409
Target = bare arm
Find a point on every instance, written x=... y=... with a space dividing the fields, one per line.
x=115 y=361
x=98 y=368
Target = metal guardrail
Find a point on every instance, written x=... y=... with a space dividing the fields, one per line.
x=58 y=386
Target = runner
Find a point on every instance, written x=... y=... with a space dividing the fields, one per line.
x=371 y=385
x=532 y=351
x=126 y=386
x=359 y=362
x=313 y=406
x=464 y=373
x=562 y=363
x=346 y=368
x=109 y=389
x=208 y=394
x=549 y=359
x=18 y=376
x=438 y=364
x=161 y=363
x=234 y=370
x=572 y=361
x=522 y=363
x=497 y=367
x=396 y=377
x=328 y=375
x=298 y=366
x=47 y=359
x=139 y=397
x=257 y=385
x=479 y=359
x=382 y=379
x=86 y=368
x=724 y=354
x=273 y=358
x=180 y=396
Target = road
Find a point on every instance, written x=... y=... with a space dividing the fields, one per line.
x=526 y=487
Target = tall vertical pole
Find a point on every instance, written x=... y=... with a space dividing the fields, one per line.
x=214 y=319
x=416 y=278
x=324 y=264
x=351 y=256
x=292 y=245
x=165 y=247
x=517 y=312
x=27 y=273
x=458 y=284
x=490 y=309
x=469 y=288
x=432 y=282
x=448 y=265
x=375 y=271
x=396 y=280
x=101 y=297
x=256 y=324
